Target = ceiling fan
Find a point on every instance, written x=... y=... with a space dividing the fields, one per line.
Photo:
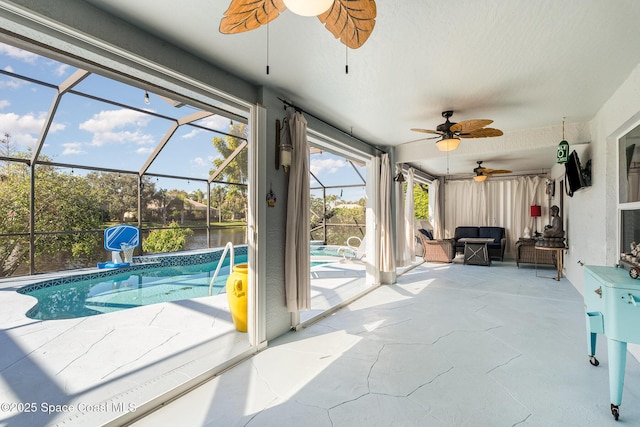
x=351 y=21
x=483 y=173
x=452 y=132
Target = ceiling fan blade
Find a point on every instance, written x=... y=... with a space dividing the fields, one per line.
x=496 y=171
x=351 y=21
x=482 y=133
x=247 y=15
x=467 y=126
x=437 y=132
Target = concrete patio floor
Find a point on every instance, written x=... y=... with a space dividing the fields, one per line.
x=448 y=345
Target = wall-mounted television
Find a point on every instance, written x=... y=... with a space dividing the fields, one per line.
x=576 y=177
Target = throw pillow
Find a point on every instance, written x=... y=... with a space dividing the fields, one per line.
x=426 y=233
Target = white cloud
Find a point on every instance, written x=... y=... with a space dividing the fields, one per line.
x=9 y=68
x=19 y=54
x=107 y=121
x=11 y=83
x=318 y=166
x=24 y=130
x=192 y=134
x=4 y=103
x=199 y=161
x=61 y=69
x=216 y=122
x=123 y=137
x=144 y=150
x=106 y=126
x=71 y=148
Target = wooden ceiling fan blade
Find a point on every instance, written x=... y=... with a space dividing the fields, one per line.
x=497 y=171
x=468 y=126
x=482 y=133
x=351 y=21
x=247 y=15
x=437 y=132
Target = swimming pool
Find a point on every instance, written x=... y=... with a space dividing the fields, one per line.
x=331 y=252
x=150 y=280
x=155 y=280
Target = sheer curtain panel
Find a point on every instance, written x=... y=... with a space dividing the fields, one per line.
x=409 y=221
x=297 y=264
x=387 y=263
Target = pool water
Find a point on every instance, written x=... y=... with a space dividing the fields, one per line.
x=338 y=252
x=160 y=284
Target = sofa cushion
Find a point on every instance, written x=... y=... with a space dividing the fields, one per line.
x=496 y=233
x=426 y=233
x=462 y=232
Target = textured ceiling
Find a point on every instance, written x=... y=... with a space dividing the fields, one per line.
x=525 y=65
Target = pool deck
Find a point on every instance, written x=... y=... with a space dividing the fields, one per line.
x=99 y=365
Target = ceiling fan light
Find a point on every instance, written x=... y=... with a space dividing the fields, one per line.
x=479 y=178
x=308 y=7
x=448 y=144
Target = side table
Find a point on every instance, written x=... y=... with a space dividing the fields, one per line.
x=558 y=257
x=476 y=251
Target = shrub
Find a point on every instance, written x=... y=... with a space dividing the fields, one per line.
x=171 y=239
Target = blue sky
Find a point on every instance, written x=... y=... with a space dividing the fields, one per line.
x=90 y=132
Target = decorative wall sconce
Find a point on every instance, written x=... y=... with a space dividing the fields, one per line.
x=399 y=177
x=284 y=149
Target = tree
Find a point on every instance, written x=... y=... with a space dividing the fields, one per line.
x=63 y=202
x=170 y=239
x=421 y=201
x=235 y=171
x=119 y=193
x=197 y=195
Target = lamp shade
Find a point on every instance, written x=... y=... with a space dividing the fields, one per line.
x=479 y=178
x=536 y=210
x=448 y=144
x=308 y=7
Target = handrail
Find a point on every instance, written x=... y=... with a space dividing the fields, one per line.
x=226 y=249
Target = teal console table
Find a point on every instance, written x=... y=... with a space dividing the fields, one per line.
x=612 y=305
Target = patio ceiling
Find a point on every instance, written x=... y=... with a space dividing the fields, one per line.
x=524 y=65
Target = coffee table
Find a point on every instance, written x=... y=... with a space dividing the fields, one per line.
x=476 y=251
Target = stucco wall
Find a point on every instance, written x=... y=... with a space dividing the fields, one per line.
x=592 y=213
x=271 y=240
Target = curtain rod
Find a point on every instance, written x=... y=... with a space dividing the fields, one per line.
x=515 y=175
x=299 y=109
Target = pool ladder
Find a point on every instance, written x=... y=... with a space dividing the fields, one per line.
x=228 y=246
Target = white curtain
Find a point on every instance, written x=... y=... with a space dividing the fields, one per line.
x=435 y=209
x=387 y=263
x=401 y=247
x=297 y=266
x=466 y=204
x=502 y=203
x=409 y=221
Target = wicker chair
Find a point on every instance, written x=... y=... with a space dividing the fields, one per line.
x=437 y=250
x=526 y=253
